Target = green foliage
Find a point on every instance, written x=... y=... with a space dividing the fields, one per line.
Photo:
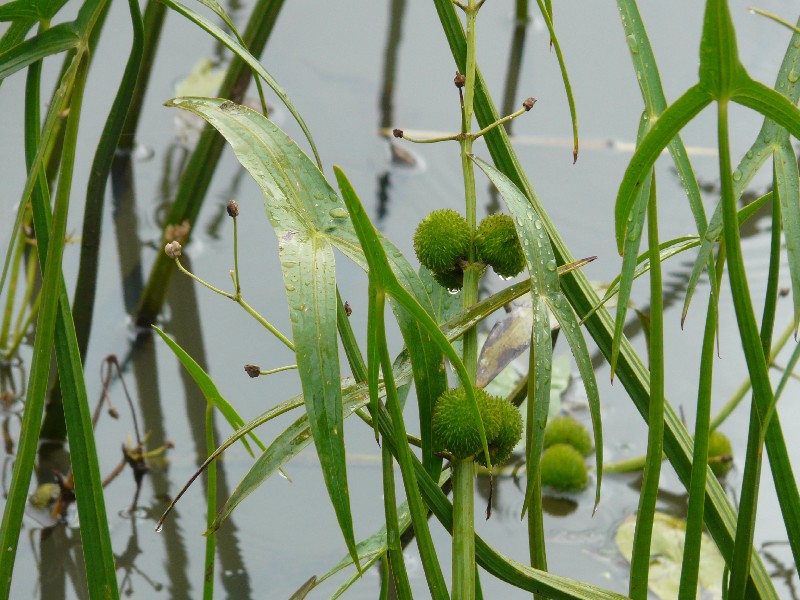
x=566 y=430
x=563 y=469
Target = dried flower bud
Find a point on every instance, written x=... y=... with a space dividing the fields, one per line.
x=398 y=133
x=233 y=208
x=459 y=80
x=169 y=445
x=528 y=104
x=173 y=249
x=348 y=310
x=252 y=370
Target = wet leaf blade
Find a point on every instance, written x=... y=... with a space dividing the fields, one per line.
x=771 y=104
x=571 y=329
x=786 y=181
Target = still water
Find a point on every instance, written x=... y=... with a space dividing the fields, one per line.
x=353 y=69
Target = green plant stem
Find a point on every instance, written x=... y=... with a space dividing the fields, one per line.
x=463 y=529
x=278 y=370
x=241 y=302
x=640 y=559
x=211 y=507
x=756 y=365
x=463 y=496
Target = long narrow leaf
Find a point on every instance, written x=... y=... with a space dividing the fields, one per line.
x=207 y=387
x=60 y=38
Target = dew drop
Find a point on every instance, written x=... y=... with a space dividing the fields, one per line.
x=537 y=223
x=633 y=44
x=289 y=287
x=338 y=213
x=505 y=278
x=551 y=265
x=737 y=175
x=453 y=291
x=793 y=76
x=749 y=154
x=519 y=220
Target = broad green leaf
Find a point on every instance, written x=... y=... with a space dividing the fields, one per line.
x=308 y=269
x=245 y=55
x=671 y=121
x=666 y=554
x=207 y=387
x=15 y=34
x=60 y=38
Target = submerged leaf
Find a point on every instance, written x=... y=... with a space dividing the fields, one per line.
x=666 y=554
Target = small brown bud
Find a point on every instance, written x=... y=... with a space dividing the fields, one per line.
x=233 y=208
x=252 y=370
x=783 y=292
x=347 y=309
x=113 y=413
x=528 y=104
x=398 y=133
x=459 y=80
x=169 y=445
x=173 y=249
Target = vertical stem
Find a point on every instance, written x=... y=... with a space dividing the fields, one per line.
x=640 y=559
x=463 y=470
x=463 y=529
x=211 y=502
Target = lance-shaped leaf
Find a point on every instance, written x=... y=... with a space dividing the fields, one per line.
x=786 y=183
x=720 y=68
x=309 y=275
x=545 y=283
x=60 y=38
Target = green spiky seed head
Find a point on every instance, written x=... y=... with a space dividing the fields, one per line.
x=450 y=280
x=506 y=435
x=720 y=453
x=442 y=239
x=497 y=244
x=566 y=430
x=455 y=429
x=563 y=469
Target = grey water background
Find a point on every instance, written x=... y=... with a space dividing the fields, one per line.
x=332 y=59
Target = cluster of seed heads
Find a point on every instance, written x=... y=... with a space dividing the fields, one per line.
x=443 y=239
